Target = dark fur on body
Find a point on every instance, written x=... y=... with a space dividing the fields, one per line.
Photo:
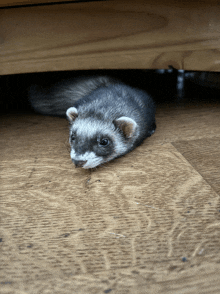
x=107 y=118
x=57 y=99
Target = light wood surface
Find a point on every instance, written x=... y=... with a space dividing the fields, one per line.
x=121 y=228
x=111 y=34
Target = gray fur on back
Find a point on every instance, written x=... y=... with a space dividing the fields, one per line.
x=58 y=98
x=117 y=100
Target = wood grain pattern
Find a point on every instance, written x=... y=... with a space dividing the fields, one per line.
x=121 y=228
x=203 y=156
x=111 y=34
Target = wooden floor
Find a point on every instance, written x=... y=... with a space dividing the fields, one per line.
x=145 y=223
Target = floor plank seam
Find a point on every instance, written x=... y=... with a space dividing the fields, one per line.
x=193 y=167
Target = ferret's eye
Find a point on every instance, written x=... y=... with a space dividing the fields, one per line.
x=73 y=137
x=104 y=142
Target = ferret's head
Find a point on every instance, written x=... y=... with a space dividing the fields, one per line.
x=94 y=141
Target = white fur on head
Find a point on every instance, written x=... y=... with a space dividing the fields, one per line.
x=127 y=125
x=71 y=114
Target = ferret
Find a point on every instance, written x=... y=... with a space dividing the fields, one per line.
x=107 y=118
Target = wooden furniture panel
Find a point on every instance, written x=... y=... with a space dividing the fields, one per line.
x=111 y=34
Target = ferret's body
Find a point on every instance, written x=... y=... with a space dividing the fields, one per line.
x=107 y=118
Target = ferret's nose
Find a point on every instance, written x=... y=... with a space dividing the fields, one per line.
x=79 y=163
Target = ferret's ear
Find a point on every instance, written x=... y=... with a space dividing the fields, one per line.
x=127 y=125
x=71 y=114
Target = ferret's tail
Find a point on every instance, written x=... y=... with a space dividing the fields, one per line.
x=58 y=98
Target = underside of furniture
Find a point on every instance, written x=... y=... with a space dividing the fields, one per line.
x=109 y=35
